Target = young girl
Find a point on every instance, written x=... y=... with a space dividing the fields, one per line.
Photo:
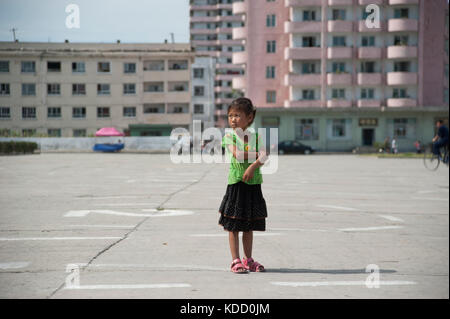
x=243 y=208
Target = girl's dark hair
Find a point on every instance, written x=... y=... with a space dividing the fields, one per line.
x=245 y=105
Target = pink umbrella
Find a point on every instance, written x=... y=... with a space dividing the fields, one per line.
x=108 y=131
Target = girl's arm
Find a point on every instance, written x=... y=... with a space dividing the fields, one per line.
x=244 y=155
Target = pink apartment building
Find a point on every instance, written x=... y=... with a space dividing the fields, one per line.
x=317 y=72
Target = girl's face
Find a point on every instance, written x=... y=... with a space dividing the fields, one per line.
x=237 y=118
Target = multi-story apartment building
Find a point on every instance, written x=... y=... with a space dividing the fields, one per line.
x=73 y=89
x=211 y=29
x=203 y=100
x=320 y=74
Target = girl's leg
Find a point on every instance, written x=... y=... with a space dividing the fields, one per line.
x=233 y=238
x=247 y=241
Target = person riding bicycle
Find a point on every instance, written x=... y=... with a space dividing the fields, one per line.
x=441 y=138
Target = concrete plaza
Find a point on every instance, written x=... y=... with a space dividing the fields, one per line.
x=330 y=216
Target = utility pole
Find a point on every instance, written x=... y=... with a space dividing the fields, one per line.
x=13 y=30
x=173 y=37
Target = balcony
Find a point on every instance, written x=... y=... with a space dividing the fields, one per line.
x=164 y=118
x=369 y=53
x=302 y=3
x=304 y=103
x=400 y=51
x=368 y=103
x=397 y=25
x=367 y=2
x=302 y=27
x=203 y=31
x=240 y=33
x=340 y=26
x=340 y=2
x=363 y=28
x=339 y=103
x=223 y=100
x=240 y=7
x=303 y=80
x=339 y=79
x=369 y=78
x=339 y=53
x=397 y=2
x=239 y=82
x=401 y=102
x=302 y=53
x=401 y=78
x=240 y=57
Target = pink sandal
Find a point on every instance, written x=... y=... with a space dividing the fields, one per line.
x=252 y=265
x=237 y=267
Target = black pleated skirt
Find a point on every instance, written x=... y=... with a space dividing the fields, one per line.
x=243 y=208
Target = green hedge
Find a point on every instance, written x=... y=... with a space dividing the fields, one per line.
x=13 y=147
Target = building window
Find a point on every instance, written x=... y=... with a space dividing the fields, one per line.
x=28 y=67
x=103 y=89
x=271 y=20
x=271 y=46
x=339 y=128
x=338 y=94
x=402 y=128
x=4 y=66
x=368 y=67
x=198 y=73
x=53 y=66
x=4 y=89
x=54 y=132
x=78 y=112
x=5 y=112
x=78 y=89
x=28 y=89
x=309 y=15
x=401 y=40
x=129 y=67
x=339 y=41
x=306 y=129
x=28 y=132
x=53 y=89
x=308 y=94
x=308 y=42
x=178 y=86
x=78 y=67
x=54 y=112
x=178 y=65
x=153 y=86
x=402 y=66
x=399 y=93
x=28 y=112
x=157 y=65
x=154 y=108
x=103 y=67
x=129 y=111
x=199 y=91
x=271 y=96
x=339 y=14
x=270 y=72
x=79 y=133
x=368 y=41
x=198 y=109
x=338 y=67
x=367 y=93
x=129 y=88
x=102 y=112
x=401 y=13
x=309 y=68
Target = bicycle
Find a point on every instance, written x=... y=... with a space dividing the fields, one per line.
x=431 y=160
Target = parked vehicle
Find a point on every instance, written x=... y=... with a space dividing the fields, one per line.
x=294 y=147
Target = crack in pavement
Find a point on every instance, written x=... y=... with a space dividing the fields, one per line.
x=132 y=230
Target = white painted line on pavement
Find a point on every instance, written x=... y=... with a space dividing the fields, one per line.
x=56 y=238
x=339 y=283
x=226 y=235
x=141 y=286
x=391 y=218
x=125 y=204
x=429 y=198
x=13 y=265
x=159 y=266
x=156 y=213
x=114 y=197
x=104 y=226
x=337 y=207
x=369 y=228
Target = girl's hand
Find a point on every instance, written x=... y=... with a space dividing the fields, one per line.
x=248 y=174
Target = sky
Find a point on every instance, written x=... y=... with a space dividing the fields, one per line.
x=131 y=21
